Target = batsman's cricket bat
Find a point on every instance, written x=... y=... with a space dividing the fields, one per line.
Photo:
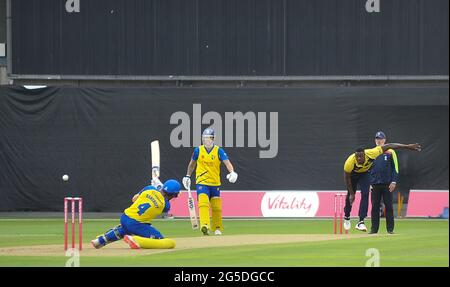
x=192 y=214
x=155 y=158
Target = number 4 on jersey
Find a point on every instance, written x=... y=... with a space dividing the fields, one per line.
x=142 y=208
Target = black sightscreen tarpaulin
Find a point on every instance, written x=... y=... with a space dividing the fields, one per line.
x=228 y=38
x=294 y=138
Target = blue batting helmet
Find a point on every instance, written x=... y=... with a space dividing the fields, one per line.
x=172 y=186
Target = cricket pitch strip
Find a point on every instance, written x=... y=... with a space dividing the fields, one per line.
x=120 y=248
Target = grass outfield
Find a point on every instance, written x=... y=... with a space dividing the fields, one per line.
x=417 y=242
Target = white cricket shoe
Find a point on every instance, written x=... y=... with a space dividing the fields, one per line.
x=218 y=232
x=361 y=226
x=347 y=224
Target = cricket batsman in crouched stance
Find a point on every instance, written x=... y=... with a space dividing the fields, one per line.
x=135 y=227
x=207 y=159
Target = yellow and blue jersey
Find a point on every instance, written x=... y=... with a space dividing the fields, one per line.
x=369 y=154
x=149 y=204
x=208 y=165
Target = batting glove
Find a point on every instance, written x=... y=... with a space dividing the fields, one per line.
x=232 y=177
x=187 y=182
x=157 y=183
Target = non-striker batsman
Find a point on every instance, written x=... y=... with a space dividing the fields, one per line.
x=207 y=159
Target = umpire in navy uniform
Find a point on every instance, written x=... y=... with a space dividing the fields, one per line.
x=383 y=179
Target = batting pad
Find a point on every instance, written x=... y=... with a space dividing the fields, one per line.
x=203 y=209
x=216 y=207
x=150 y=243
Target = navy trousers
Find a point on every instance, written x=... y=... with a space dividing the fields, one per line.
x=361 y=180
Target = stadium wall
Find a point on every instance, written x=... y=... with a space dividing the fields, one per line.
x=123 y=39
x=278 y=138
